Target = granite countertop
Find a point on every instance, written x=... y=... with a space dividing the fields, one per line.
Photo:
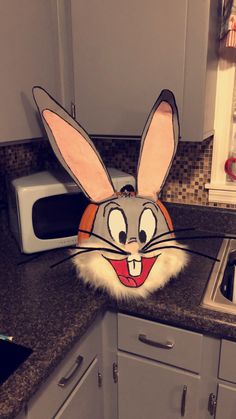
x=49 y=310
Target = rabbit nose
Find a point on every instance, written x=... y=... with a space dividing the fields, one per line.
x=132 y=246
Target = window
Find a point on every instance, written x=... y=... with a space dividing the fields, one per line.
x=221 y=188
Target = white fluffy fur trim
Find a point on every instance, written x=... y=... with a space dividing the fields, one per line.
x=94 y=269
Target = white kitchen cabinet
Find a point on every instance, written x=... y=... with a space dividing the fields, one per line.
x=227 y=368
x=73 y=389
x=156 y=380
x=226 y=402
x=112 y=59
x=124 y=53
x=85 y=400
x=163 y=371
x=226 y=394
x=169 y=373
x=109 y=362
x=175 y=346
x=29 y=56
x=152 y=390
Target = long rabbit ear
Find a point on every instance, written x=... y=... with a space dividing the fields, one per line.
x=73 y=148
x=158 y=145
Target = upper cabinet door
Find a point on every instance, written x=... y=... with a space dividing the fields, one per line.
x=126 y=52
x=29 y=56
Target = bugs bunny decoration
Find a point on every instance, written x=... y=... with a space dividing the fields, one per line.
x=119 y=246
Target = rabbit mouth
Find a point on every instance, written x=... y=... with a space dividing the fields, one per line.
x=133 y=273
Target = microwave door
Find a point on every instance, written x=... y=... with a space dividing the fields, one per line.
x=58 y=216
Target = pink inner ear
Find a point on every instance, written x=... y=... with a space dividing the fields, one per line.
x=157 y=152
x=80 y=157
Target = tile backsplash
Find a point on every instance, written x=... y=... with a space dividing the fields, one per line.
x=189 y=173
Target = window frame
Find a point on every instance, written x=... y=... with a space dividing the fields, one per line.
x=220 y=189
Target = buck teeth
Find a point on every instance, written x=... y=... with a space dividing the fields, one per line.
x=135 y=267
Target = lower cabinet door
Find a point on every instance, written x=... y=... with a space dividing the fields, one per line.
x=226 y=402
x=85 y=401
x=148 y=389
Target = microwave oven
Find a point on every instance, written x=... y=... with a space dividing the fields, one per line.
x=45 y=208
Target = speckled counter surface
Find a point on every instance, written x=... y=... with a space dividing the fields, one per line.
x=45 y=309
x=49 y=310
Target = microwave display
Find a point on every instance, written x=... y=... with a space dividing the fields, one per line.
x=58 y=216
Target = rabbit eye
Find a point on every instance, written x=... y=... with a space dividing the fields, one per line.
x=117 y=225
x=147 y=225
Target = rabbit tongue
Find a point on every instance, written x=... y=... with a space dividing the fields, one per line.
x=135 y=275
x=127 y=281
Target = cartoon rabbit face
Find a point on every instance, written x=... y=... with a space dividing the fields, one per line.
x=120 y=235
x=129 y=227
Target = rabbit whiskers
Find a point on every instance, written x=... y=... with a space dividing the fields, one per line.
x=151 y=246
x=148 y=247
x=85 y=249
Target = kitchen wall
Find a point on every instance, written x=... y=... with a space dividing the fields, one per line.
x=185 y=184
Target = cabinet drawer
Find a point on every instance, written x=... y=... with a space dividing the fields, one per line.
x=227 y=370
x=51 y=395
x=163 y=343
